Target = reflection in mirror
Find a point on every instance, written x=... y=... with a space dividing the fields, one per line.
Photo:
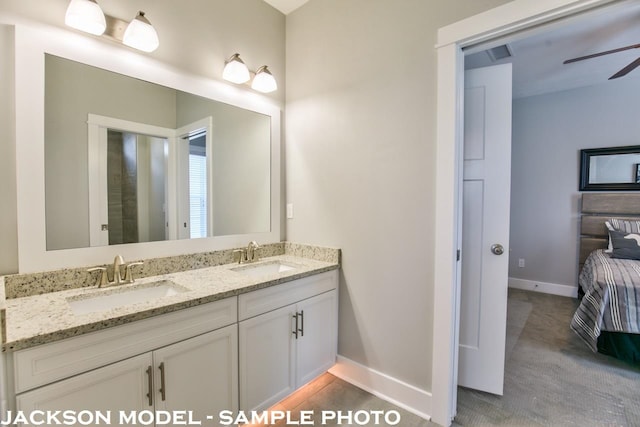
x=614 y=168
x=611 y=168
x=136 y=174
x=197 y=185
x=220 y=177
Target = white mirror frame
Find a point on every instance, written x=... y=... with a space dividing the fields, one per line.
x=31 y=44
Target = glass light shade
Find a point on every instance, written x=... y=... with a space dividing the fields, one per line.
x=85 y=15
x=141 y=35
x=236 y=71
x=264 y=81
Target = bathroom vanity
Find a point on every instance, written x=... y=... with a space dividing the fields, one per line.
x=226 y=337
x=194 y=332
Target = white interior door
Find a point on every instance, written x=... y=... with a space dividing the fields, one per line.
x=485 y=228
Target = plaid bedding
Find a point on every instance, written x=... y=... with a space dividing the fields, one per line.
x=612 y=297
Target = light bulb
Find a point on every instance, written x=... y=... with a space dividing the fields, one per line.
x=85 y=15
x=141 y=35
x=264 y=81
x=236 y=71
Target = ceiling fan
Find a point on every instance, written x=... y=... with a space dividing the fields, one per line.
x=626 y=70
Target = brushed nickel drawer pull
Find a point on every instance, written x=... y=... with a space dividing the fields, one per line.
x=150 y=378
x=295 y=330
x=301 y=330
x=163 y=388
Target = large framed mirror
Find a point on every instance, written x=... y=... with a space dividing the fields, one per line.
x=610 y=169
x=118 y=153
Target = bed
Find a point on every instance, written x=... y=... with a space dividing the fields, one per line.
x=608 y=317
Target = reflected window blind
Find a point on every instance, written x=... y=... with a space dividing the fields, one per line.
x=197 y=195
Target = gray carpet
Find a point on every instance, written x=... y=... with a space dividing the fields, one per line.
x=517 y=314
x=551 y=377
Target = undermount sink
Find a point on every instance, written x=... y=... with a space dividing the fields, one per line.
x=264 y=268
x=120 y=297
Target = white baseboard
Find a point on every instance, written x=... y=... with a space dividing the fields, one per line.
x=387 y=388
x=547 y=288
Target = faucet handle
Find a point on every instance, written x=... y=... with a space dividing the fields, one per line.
x=242 y=255
x=103 y=280
x=128 y=274
x=252 y=247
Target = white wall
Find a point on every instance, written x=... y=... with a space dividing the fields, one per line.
x=548 y=133
x=360 y=133
x=195 y=36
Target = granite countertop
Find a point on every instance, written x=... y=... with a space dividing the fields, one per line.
x=40 y=319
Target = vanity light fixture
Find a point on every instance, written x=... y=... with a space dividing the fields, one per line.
x=235 y=70
x=140 y=34
x=87 y=16
x=264 y=81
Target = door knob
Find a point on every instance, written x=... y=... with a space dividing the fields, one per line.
x=497 y=249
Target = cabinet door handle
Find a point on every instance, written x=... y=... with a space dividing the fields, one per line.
x=150 y=379
x=301 y=330
x=295 y=330
x=163 y=388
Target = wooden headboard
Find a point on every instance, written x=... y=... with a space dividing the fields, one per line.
x=596 y=209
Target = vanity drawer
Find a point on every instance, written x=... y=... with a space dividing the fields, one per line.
x=47 y=363
x=257 y=302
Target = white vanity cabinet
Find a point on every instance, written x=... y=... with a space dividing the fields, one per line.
x=120 y=386
x=245 y=352
x=199 y=373
x=288 y=336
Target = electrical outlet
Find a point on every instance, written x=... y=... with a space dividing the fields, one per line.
x=521 y=263
x=289 y=210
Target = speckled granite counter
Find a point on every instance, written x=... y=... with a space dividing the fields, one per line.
x=39 y=319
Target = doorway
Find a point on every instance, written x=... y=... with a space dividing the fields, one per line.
x=509 y=19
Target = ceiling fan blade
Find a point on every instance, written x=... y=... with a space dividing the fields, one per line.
x=626 y=70
x=607 y=52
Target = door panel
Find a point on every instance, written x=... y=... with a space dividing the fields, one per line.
x=486 y=208
x=316 y=342
x=122 y=386
x=199 y=374
x=473 y=196
x=267 y=359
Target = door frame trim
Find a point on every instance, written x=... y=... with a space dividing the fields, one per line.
x=507 y=19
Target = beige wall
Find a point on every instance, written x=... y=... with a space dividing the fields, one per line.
x=361 y=122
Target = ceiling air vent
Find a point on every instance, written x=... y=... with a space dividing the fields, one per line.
x=499 y=52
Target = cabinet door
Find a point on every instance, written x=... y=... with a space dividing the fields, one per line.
x=267 y=359
x=122 y=386
x=199 y=374
x=318 y=340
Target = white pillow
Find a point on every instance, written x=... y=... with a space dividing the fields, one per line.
x=610 y=228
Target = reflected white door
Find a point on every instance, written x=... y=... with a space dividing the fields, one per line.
x=485 y=228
